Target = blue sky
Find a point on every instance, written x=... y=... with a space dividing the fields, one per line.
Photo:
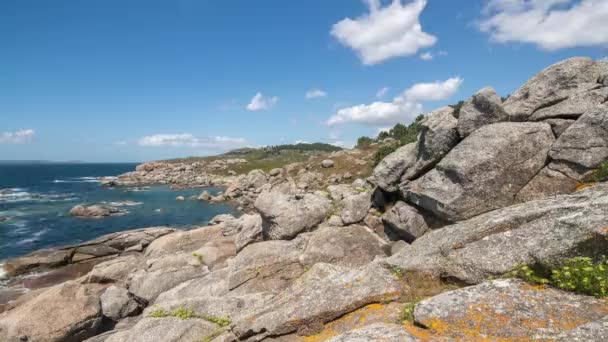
x=116 y=80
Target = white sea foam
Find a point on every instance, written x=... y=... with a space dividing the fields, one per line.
x=123 y=203
x=3 y=274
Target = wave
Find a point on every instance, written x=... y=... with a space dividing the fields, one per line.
x=18 y=195
x=77 y=180
x=123 y=203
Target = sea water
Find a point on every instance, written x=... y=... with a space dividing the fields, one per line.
x=35 y=200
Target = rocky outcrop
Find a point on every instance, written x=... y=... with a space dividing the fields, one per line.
x=406 y=222
x=285 y=216
x=483 y=109
x=107 y=245
x=508 y=310
x=66 y=312
x=324 y=293
x=96 y=211
x=583 y=146
x=554 y=85
x=117 y=303
x=484 y=172
x=389 y=171
x=377 y=332
x=439 y=134
x=544 y=232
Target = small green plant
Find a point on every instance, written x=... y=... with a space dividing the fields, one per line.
x=397 y=272
x=183 y=313
x=200 y=257
x=583 y=276
x=599 y=175
x=159 y=313
x=579 y=274
x=407 y=312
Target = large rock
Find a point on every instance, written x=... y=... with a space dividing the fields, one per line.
x=351 y=246
x=116 y=303
x=593 y=331
x=508 y=310
x=324 y=293
x=407 y=222
x=266 y=266
x=484 y=172
x=546 y=183
x=389 y=171
x=113 y=271
x=583 y=146
x=377 y=332
x=573 y=107
x=438 y=135
x=214 y=284
x=96 y=211
x=553 y=85
x=181 y=241
x=66 y=312
x=285 y=216
x=250 y=232
x=483 y=109
x=168 y=329
x=355 y=207
x=43 y=259
x=544 y=232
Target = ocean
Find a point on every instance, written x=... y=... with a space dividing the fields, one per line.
x=35 y=200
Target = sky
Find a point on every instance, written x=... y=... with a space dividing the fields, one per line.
x=138 y=80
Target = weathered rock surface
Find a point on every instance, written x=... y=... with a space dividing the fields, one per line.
x=483 y=109
x=573 y=107
x=324 y=293
x=546 y=183
x=583 y=146
x=116 y=303
x=285 y=216
x=354 y=208
x=559 y=126
x=439 y=134
x=508 y=310
x=544 y=232
x=183 y=241
x=377 y=332
x=250 y=232
x=484 y=172
x=327 y=163
x=66 y=312
x=389 y=171
x=168 y=329
x=594 y=331
x=407 y=222
x=553 y=85
x=96 y=211
x=113 y=271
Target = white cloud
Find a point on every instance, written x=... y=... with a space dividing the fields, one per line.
x=19 y=137
x=189 y=140
x=260 y=102
x=301 y=142
x=403 y=108
x=427 y=56
x=433 y=91
x=385 y=32
x=315 y=93
x=385 y=129
x=549 y=24
x=382 y=92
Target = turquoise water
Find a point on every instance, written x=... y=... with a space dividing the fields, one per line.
x=35 y=201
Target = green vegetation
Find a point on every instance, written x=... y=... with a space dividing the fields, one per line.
x=384 y=151
x=407 y=312
x=200 y=257
x=183 y=313
x=579 y=274
x=364 y=142
x=397 y=272
x=599 y=175
x=457 y=107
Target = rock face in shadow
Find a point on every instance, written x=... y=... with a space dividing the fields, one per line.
x=544 y=232
x=484 y=172
x=389 y=171
x=508 y=310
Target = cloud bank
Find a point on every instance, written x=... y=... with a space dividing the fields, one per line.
x=19 y=137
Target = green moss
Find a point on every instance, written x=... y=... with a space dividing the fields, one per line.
x=579 y=274
x=200 y=257
x=397 y=272
x=183 y=313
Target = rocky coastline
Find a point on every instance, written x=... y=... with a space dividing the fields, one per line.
x=417 y=249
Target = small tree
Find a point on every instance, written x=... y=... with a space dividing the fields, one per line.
x=364 y=142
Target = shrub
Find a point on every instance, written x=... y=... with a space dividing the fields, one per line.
x=578 y=275
x=364 y=142
x=457 y=108
x=599 y=175
x=583 y=276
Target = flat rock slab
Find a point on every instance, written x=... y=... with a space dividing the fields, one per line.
x=507 y=309
x=377 y=332
x=169 y=329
